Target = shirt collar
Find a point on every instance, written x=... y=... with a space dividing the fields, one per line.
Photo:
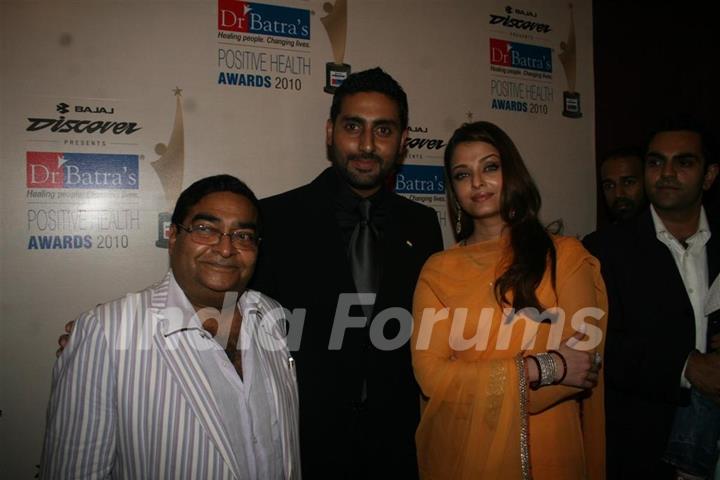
x=180 y=315
x=700 y=237
x=348 y=200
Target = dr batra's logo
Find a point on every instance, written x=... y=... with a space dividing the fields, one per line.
x=520 y=55
x=82 y=170
x=420 y=179
x=247 y=17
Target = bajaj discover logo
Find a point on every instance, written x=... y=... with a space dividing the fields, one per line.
x=508 y=21
x=63 y=124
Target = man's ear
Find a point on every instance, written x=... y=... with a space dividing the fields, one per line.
x=710 y=175
x=329 y=132
x=172 y=236
x=403 y=139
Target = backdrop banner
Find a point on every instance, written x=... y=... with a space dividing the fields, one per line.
x=109 y=109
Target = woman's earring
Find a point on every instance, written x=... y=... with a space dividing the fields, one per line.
x=458 y=220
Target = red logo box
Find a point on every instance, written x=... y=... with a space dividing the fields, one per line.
x=44 y=170
x=233 y=16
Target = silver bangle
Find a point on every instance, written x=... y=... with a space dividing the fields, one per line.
x=548 y=369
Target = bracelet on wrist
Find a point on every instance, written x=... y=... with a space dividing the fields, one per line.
x=547 y=368
x=564 y=364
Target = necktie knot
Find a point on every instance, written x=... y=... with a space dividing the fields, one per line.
x=364 y=208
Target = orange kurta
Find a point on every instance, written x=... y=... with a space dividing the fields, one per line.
x=466 y=360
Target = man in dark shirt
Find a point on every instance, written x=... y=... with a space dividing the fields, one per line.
x=345 y=233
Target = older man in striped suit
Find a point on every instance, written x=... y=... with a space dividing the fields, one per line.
x=183 y=379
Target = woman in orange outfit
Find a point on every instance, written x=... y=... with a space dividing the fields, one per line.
x=509 y=329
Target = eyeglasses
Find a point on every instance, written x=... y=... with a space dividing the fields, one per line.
x=207 y=235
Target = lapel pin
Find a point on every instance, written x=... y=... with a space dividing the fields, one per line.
x=409 y=243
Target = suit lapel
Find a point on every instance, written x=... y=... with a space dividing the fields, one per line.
x=398 y=248
x=183 y=362
x=657 y=260
x=713 y=252
x=263 y=330
x=657 y=256
x=324 y=219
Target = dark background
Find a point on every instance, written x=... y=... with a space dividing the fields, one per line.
x=653 y=60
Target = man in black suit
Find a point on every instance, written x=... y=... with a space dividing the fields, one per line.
x=345 y=233
x=657 y=268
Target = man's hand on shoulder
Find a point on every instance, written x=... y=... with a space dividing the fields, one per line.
x=703 y=373
x=63 y=339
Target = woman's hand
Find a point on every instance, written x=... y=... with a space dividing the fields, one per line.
x=583 y=368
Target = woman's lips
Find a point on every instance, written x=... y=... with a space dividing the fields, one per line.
x=481 y=197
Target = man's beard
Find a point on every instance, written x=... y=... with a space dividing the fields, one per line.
x=623 y=208
x=359 y=181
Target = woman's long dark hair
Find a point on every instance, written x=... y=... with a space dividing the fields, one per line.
x=532 y=248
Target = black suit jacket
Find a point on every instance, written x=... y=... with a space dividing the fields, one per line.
x=651 y=332
x=303 y=264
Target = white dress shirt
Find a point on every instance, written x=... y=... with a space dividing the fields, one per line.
x=245 y=403
x=692 y=265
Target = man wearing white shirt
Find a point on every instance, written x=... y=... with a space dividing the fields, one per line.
x=183 y=379
x=657 y=268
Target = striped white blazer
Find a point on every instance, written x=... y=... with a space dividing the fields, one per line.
x=130 y=402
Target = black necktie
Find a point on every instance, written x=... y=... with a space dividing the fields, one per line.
x=363 y=253
x=365 y=263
